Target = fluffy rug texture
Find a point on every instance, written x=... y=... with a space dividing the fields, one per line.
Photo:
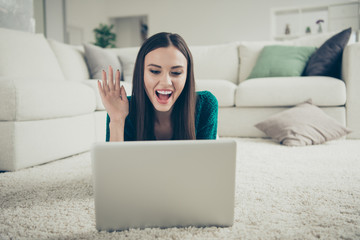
x=281 y=193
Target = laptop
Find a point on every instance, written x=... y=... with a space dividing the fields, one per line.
x=164 y=183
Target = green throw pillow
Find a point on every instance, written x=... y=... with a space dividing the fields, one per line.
x=281 y=61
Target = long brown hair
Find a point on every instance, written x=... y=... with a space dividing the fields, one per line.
x=141 y=108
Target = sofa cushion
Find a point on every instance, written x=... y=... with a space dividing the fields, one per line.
x=289 y=91
x=216 y=62
x=98 y=59
x=93 y=84
x=223 y=90
x=281 y=61
x=127 y=58
x=28 y=55
x=71 y=60
x=42 y=99
x=304 y=124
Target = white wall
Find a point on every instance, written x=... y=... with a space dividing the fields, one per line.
x=39 y=16
x=55 y=20
x=199 y=22
x=128 y=29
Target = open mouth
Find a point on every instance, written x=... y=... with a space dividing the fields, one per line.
x=163 y=95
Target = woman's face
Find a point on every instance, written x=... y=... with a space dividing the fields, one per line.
x=165 y=71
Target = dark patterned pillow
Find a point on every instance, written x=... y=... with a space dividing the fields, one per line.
x=326 y=61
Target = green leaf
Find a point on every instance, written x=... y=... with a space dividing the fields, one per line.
x=104 y=37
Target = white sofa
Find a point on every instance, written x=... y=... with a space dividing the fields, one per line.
x=50 y=109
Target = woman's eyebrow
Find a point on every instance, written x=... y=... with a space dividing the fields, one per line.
x=154 y=65
x=178 y=66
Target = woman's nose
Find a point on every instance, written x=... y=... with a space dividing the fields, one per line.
x=166 y=79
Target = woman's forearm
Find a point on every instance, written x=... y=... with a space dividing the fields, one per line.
x=117 y=131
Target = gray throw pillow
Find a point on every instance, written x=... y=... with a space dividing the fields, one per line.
x=99 y=59
x=304 y=124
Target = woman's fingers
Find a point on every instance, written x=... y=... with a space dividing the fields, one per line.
x=111 y=78
x=123 y=93
x=101 y=90
x=105 y=85
x=117 y=80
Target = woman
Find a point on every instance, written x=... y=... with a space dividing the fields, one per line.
x=163 y=104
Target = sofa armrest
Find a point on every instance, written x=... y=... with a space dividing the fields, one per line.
x=7 y=96
x=351 y=76
x=34 y=99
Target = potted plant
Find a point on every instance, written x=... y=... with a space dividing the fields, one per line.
x=104 y=37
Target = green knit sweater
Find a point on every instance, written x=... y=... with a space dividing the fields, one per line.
x=205 y=119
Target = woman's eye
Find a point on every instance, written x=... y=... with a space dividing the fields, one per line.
x=176 y=73
x=154 y=71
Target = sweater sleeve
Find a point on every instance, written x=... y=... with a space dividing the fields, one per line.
x=129 y=130
x=208 y=116
x=107 y=128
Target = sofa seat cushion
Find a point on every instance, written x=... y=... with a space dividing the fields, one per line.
x=93 y=84
x=40 y=99
x=223 y=90
x=290 y=91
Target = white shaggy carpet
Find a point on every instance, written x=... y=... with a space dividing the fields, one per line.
x=282 y=193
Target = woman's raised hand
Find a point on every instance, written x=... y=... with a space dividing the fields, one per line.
x=113 y=96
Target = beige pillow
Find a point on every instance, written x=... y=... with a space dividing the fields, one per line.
x=304 y=124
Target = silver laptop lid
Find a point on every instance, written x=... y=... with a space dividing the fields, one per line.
x=164 y=183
